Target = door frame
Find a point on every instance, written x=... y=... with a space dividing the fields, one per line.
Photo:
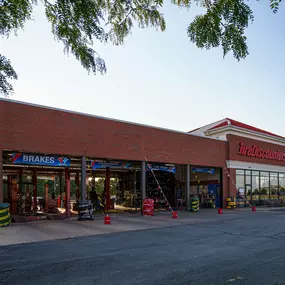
x=245 y=190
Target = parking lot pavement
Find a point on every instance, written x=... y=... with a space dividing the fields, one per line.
x=239 y=249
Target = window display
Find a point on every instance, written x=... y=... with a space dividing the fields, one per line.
x=261 y=187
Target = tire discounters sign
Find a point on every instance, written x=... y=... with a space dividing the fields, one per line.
x=34 y=159
x=257 y=152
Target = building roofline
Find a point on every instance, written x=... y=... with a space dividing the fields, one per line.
x=206 y=126
x=233 y=123
x=228 y=122
x=265 y=136
x=93 y=116
x=258 y=130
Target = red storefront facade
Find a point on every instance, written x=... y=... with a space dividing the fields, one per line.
x=26 y=128
x=259 y=168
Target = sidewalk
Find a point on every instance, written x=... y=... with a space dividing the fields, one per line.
x=261 y=209
x=120 y=222
x=63 y=229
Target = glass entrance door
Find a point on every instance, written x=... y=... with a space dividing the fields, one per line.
x=248 y=192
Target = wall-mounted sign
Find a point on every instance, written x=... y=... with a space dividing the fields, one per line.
x=101 y=165
x=203 y=170
x=256 y=151
x=171 y=169
x=44 y=160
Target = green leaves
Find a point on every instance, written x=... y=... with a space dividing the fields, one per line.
x=13 y=15
x=6 y=72
x=122 y=14
x=77 y=24
x=224 y=25
x=274 y=5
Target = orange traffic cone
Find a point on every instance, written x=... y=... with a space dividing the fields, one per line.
x=174 y=215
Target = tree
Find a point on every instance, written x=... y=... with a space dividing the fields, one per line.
x=79 y=23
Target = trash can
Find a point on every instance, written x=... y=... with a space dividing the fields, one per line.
x=112 y=203
x=148 y=207
x=5 y=217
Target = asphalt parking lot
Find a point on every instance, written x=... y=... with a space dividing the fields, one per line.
x=247 y=248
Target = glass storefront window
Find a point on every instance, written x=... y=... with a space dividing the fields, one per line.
x=274 y=185
x=239 y=172
x=264 y=185
x=248 y=190
x=260 y=186
x=5 y=192
x=282 y=185
x=255 y=185
x=27 y=177
x=240 y=179
x=193 y=190
x=248 y=178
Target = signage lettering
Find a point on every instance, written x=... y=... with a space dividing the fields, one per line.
x=101 y=165
x=256 y=151
x=33 y=159
x=203 y=170
x=170 y=169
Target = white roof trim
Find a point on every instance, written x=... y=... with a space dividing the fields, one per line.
x=231 y=127
x=235 y=164
x=208 y=125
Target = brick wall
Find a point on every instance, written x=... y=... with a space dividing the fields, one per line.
x=37 y=129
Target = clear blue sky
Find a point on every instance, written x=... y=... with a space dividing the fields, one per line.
x=159 y=79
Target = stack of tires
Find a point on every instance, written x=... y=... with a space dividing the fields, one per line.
x=5 y=218
x=194 y=204
x=231 y=203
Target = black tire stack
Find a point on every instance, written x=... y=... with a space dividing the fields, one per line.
x=5 y=217
x=231 y=203
x=194 y=204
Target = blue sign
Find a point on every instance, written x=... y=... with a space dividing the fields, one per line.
x=170 y=169
x=203 y=170
x=35 y=159
x=102 y=165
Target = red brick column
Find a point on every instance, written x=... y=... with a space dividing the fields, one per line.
x=229 y=180
x=232 y=181
x=226 y=185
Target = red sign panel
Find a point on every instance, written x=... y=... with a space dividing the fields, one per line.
x=256 y=151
